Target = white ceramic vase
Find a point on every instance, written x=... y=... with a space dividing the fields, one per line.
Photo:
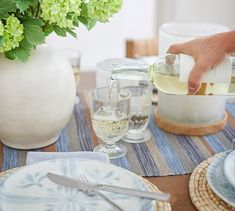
x=36 y=99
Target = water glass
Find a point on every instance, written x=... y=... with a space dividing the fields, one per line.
x=140 y=111
x=110 y=114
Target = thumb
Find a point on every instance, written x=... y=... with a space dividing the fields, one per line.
x=176 y=49
x=194 y=80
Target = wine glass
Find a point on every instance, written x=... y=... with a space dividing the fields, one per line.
x=110 y=118
x=74 y=57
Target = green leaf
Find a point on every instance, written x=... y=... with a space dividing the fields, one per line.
x=9 y=55
x=83 y=20
x=22 y=5
x=84 y=11
x=21 y=53
x=91 y=24
x=1 y=40
x=33 y=31
x=48 y=30
x=71 y=32
x=25 y=44
x=59 y=31
x=6 y=6
x=33 y=21
x=76 y=23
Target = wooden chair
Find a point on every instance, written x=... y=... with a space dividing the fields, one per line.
x=140 y=48
x=144 y=47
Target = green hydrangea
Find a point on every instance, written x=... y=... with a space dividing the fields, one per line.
x=24 y=24
x=102 y=10
x=61 y=12
x=12 y=33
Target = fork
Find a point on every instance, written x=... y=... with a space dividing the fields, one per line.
x=83 y=178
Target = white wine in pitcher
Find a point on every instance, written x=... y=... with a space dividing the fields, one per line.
x=170 y=74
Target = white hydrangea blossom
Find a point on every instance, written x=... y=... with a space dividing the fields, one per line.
x=12 y=33
x=61 y=12
x=102 y=10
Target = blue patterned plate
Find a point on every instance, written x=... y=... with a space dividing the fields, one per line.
x=29 y=188
x=217 y=180
x=229 y=168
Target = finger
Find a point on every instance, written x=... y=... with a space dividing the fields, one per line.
x=176 y=49
x=193 y=90
x=194 y=79
x=179 y=48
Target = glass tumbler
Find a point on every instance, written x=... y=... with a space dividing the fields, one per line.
x=110 y=118
x=140 y=111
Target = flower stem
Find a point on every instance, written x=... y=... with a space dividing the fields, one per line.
x=37 y=9
x=32 y=10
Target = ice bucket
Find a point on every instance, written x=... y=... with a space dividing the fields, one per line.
x=189 y=114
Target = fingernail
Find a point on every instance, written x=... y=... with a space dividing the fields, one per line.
x=191 y=91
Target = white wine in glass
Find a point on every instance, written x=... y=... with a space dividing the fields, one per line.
x=76 y=72
x=74 y=58
x=109 y=126
x=110 y=119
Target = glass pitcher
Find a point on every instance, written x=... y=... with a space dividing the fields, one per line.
x=165 y=75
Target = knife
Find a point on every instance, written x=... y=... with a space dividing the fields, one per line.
x=81 y=185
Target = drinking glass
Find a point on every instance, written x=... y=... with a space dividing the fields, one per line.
x=74 y=58
x=110 y=114
x=140 y=111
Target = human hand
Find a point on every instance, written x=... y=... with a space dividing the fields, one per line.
x=207 y=53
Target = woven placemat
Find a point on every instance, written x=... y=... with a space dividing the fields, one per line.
x=160 y=206
x=5 y=174
x=202 y=196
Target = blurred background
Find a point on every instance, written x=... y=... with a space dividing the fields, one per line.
x=140 y=19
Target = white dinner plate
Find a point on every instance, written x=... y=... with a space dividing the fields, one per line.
x=229 y=168
x=218 y=182
x=29 y=189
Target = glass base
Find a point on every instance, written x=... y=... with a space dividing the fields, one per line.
x=138 y=138
x=115 y=151
x=77 y=100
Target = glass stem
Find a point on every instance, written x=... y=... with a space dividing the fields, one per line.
x=110 y=146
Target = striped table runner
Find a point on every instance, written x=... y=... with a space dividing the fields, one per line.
x=165 y=154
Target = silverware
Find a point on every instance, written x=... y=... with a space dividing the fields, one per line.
x=68 y=182
x=83 y=178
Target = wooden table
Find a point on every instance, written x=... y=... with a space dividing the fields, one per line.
x=176 y=185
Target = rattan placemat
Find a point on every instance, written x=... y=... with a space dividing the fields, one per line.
x=7 y=173
x=160 y=206
x=202 y=196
